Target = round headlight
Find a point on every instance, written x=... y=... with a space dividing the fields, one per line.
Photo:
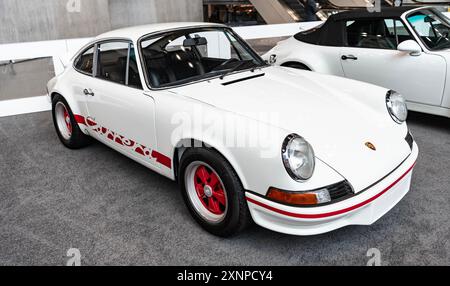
x=298 y=158
x=396 y=105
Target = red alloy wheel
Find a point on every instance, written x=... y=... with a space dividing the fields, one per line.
x=67 y=120
x=210 y=190
x=63 y=121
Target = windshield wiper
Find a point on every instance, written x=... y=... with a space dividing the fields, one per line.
x=235 y=68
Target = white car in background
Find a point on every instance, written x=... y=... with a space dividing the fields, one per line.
x=406 y=49
x=339 y=158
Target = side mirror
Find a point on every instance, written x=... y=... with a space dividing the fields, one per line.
x=411 y=47
x=272 y=59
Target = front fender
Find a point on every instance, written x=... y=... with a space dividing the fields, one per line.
x=258 y=164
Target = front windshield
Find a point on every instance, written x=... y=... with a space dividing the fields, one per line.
x=432 y=27
x=189 y=55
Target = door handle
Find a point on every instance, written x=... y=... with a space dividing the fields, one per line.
x=349 y=57
x=88 y=91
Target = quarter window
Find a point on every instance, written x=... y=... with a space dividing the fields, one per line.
x=85 y=62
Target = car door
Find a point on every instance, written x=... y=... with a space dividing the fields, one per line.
x=371 y=55
x=120 y=114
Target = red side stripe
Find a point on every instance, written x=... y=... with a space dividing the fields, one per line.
x=90 y=122
x=162 y=159
x=80 y=119
x=335 y=213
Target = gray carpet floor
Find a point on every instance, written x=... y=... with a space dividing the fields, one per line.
x=117 y=212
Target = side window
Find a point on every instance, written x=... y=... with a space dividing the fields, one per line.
x=134 y=80
x=390 y=26
x=402 y=32
x=112 y=61
x=397 y=32
x=117 y=63
x=85 y=62
x=371 y=33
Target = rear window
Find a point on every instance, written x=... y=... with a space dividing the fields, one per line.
x=311 y=36
x=328 y=34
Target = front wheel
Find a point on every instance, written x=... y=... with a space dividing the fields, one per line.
x=213 y=192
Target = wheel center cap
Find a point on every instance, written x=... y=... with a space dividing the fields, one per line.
x=208 y=191
x=67 y=119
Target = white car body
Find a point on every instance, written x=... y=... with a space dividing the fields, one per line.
x=327 y=111
x=423 y=79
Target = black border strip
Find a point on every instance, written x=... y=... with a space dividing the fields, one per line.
x=243 y=79
x=220 y=275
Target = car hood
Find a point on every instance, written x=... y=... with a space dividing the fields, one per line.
x=337 y=116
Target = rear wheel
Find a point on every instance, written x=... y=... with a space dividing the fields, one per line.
x=213 y=192
x=66 y=127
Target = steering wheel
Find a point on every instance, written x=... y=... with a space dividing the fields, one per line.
x=441 y=38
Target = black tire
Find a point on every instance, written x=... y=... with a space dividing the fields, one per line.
x=295 y=65
x=238 y=216
x=77 y=138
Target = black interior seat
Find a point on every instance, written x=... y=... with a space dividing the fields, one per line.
x=185 y=64
x=113 y=65
x=375 y=36
x=134 y=78
x=168 y=67
x=116 y=72
x=159 y=70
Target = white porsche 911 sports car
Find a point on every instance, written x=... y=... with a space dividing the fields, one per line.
x=405 y=49
x=296 y=152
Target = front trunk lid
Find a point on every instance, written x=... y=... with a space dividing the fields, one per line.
x=345 y=121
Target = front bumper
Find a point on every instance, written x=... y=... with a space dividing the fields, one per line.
x=363 y=209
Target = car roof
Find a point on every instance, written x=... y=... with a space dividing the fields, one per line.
x=394 y=12
x=331 y=32
x=136 y=32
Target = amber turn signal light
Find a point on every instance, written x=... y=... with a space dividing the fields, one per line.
x=299 y=198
